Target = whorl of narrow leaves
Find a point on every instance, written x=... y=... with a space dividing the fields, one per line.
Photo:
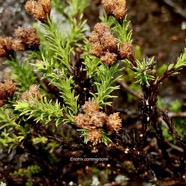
x=143 y=71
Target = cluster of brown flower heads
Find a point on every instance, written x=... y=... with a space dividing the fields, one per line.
x=7 y=89
x=103 y=43
x=94 y=121
x=24 y=38
x=39 y=9
x=116 y=8
x=105 y=46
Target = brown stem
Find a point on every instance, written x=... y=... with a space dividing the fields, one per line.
x=128 y=89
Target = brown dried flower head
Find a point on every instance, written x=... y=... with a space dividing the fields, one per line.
x=82 y=120
x=8 y=43
x=92 y=117
x=98 y=119
x=2 y=91
x=114 y=122
x=2 y=49
x=40 y=10
x=116 y=8
x=5 y=46
x=94 y=135
x=46 y=6
x=109 y=58
x=28 y=36
x=96 y=49
x=90 y=107
x=9 y=87
x=101 y=28
x=33 y=92
x=17 y=45
x=109 y=42
x=125 y=50
x=23 y=38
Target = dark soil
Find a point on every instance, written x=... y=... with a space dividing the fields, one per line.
x=158 y=28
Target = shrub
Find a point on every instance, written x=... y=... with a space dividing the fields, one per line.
x=58 y=103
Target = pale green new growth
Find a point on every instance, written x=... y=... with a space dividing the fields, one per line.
x=7 y=127
x=181 y=62
x=39 y=139
x=23 y=80
x=28 y=172
x=91 y=62
x=105 y=77
x=42 y=111
x=143 y=71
